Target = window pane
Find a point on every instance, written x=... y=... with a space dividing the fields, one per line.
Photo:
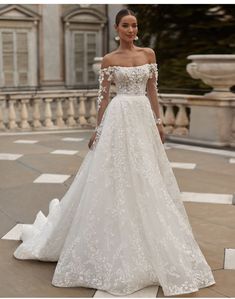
x=79 y=77
x=91 y=42
x=91 y=76
x=23 y=78
x=22 y=61
x=8 y=62
x=22 y=42
x=90 y=57
x=78 y=60
x=9 y=79
x=79 y=42
x=7 y=41
x=91 y=47
x=22 y=52
x=79 y=56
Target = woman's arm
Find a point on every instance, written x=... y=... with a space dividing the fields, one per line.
x=152 y=91
x=105 y=77
x=152 y=88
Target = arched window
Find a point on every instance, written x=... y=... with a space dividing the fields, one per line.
x=84 y=33
x=18 y=47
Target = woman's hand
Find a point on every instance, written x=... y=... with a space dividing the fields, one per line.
x=92 y=140
x=161 y=132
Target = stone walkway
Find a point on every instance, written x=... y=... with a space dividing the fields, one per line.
x=38 y=167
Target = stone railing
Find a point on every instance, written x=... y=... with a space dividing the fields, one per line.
x=48 y=110
x=199 y=120
x=175 y=113
x=77 y=109
x=66 y=109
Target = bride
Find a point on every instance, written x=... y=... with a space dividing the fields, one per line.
x=122 y=226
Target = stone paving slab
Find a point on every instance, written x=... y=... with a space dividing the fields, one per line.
x=218 y=214
x=204 y=181
x=213 y=233
x=47 y=142
x=224 y=282
x=15 y=173
x=52 y=163
x=203 y=160
x=214 y=229
x=202 y=293
x=31 y=278
x=6 y=223
x=10 y=147
x=23 y=202
x=213 y=173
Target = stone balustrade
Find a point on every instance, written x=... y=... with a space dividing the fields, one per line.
x=48 y=110
x=175 y=113
x=66 y=109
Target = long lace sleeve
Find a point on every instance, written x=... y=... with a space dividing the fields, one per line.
x=105 y=78
x=152 y=91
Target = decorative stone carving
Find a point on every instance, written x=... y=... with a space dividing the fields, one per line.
x=217 y=71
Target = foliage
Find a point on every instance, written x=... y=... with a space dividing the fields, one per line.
x=178 y=30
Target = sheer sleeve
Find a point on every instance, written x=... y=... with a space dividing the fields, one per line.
x=152 y=91
x=105 y=79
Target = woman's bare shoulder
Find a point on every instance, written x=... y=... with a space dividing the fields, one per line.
x=108 y=59
x=150 y=54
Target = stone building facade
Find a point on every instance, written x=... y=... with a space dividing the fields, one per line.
x=53 y=46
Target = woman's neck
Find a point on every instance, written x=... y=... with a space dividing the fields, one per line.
x=126 y=46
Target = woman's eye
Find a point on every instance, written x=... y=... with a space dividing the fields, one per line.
x=126 y=26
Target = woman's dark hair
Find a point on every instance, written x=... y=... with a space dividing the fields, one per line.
x=122 y=13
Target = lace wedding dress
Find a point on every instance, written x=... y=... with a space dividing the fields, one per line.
x=121 y=226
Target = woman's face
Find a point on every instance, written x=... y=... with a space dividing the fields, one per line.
x=127 y=28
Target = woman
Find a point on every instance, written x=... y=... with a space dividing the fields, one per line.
x=122 y=226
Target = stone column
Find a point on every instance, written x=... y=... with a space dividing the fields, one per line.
x=51 y=37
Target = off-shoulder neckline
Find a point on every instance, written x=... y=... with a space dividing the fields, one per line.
x=119 y=66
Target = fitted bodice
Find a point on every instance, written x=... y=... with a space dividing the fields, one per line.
x=131 y=80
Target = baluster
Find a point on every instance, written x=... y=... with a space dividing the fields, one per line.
x=36 y=113
x=48 y=114
x=162 y=112
x=82 y=111
x=59 y=113
x=12 y=115
x=24 y=124
x=162 y=116
x=92 y=112
x=181 y=121
x=169 y=118
x=2 y=126
x=70 y=112
x=232 y=139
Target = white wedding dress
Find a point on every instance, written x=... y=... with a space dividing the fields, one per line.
x=121 y=226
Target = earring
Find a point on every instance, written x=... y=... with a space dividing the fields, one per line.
x=136 y=37
x=117 y=38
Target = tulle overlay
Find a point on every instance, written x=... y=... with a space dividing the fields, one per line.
x=121 y=226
